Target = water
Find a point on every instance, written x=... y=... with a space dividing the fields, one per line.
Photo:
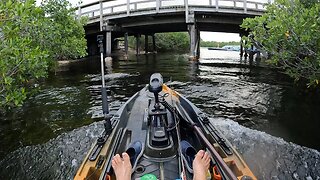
x=272 y=123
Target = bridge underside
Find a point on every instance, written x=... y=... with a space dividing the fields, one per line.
x=171 y=22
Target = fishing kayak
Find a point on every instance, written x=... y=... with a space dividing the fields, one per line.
x=161 y=131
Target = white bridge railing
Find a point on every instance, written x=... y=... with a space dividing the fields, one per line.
x=112 y=8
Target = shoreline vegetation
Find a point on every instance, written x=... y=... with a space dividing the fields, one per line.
x=33 y=38
x=218 y=44
x=178 y=41
x=289 y=32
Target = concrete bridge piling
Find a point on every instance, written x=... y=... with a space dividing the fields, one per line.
x=194 y=34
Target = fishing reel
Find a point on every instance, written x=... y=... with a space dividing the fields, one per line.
x=155 y=86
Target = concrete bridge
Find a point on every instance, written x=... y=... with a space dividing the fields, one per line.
x=123 y=18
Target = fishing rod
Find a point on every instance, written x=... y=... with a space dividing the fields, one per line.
x=183 y=175
x=212 y=150
x=105 y=106
x=177 y=126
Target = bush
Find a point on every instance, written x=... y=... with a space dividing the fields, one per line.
x=32 y=38
x=289 y=31
x=175 y=41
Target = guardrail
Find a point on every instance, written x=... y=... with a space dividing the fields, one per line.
x=107 y=7
x=111 y=7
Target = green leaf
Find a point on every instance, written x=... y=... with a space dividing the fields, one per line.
x=32 y=42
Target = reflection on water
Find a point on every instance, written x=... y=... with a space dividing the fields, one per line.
x=50 y=138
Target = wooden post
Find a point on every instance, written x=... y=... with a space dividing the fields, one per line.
x=79 y=13
x=251 y=53
x=157 y=6
x=146 y=44
x=245 y=6
x=126 y=43
x=154 y=43
x=198 y=44
x=241 y=46
x=101 y=15
x=128 y=7
x=186 y=10
x=115 y=44
x=245 y=49
x=138 y=44
x=217 y=5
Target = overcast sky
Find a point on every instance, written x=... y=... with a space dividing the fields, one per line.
x=206 y=36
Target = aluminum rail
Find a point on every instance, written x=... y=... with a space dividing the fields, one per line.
x=93 y=10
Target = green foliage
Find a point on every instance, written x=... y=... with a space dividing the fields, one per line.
x=66 y=39
x=21 y=59
x=174 y=41
x=290 y=32
x=217 y=44
x=32 y=38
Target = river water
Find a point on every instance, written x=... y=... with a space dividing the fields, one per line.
x=273 y=124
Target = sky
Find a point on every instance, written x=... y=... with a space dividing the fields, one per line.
x=218 y=36
x=206 y=36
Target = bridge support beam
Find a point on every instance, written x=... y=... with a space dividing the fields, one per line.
x=154 y=43
x=126 y=44
x=194 y=34
x=146 y=44
x=138 y=44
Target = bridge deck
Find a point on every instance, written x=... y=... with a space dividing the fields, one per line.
x=109 y=10
x=114 y=18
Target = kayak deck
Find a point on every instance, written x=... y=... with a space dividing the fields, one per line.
x=137 y=130
x=136 y=121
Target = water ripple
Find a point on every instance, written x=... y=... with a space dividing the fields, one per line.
x=270 y=157
x=57 y=159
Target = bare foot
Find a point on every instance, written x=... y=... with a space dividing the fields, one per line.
x=122 y=166
x=201 y=165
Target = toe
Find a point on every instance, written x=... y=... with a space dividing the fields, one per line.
x=117 y=158
x=206 y=157
x=200 y=154
x=126 y=158
x=113 y=163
